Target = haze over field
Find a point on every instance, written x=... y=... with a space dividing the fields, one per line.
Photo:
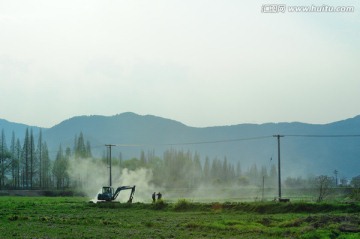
x=247 y=144
x=193 y=71
x=202 y=62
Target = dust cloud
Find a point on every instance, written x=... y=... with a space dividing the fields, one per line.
x=90 y=175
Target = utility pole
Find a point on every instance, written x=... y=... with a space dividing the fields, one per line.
x=279 y=168
x=263 y=188
x=109 y=147
x=336 y=180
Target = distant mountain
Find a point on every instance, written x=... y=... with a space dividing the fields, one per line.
x=17 y=128
x=126 y=128
x=305 y=149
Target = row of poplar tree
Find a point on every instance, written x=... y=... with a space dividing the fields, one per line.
x=27 y=164
x=184 y=169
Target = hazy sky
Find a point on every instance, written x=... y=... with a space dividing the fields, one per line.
x=201 y=62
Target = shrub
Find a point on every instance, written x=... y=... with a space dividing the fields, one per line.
x=216 y=206
x=159 y=204
x=355 y=194
x=182 y=204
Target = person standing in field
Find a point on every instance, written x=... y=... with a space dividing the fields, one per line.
x=153 y=197
x=159 y=195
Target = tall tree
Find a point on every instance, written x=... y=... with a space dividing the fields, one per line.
x=25 y=160
x=46 y=166
x=80 y=150
x=216 y=170
x=39 y=158
x=32 y=159
x=254 y=176
x=197 y=170
x=18 y=160
x=238 y=169
x=323 y=184
x=142 y=158
x=225 y=170
x=88 y=149
x=4 y=159
x=14 y=160
x=273 y=175
x=60 y=168
x=207 y=169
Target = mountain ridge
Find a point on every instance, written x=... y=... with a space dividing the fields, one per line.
x=246 y=143
x=2 y=120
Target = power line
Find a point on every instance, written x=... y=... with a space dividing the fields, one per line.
x=240 y=139
x=229 y=140
x=323 y=135
x=196 y=143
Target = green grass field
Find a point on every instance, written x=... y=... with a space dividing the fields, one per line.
x=57 y=217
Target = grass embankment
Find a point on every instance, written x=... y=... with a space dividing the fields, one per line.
x=23 y=217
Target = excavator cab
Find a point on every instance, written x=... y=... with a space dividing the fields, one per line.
x=108 y=193
x=108 y=190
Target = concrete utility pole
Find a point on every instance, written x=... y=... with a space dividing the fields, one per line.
x=336 y=180
x=279 y=170
x=109 y=146
x=263 y=188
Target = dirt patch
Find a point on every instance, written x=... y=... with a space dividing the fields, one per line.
x=346 y=223
x=349 y=228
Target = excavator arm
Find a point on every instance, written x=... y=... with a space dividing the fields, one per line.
x=124 y=188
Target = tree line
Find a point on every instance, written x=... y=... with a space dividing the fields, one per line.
x=185 y=169
x=27 y=164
